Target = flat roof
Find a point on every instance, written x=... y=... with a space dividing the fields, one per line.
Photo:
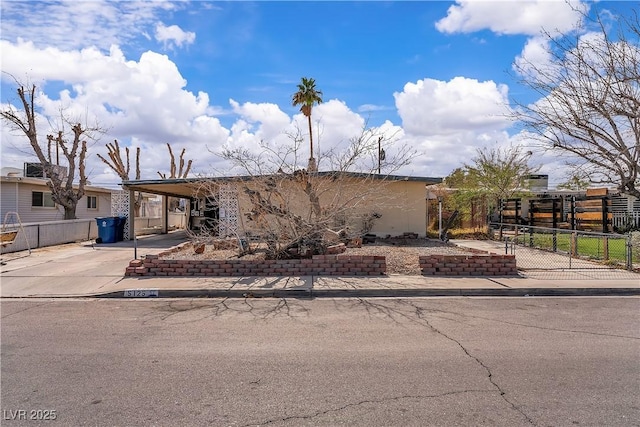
x=43 y=182
x=187 y=187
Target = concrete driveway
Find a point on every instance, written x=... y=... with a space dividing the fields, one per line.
x=77 y=268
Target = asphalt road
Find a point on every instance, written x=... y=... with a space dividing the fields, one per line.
x=362 y=362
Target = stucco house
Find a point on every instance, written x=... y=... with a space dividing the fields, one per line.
x=399 y=204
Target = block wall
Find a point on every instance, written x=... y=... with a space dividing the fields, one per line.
x=319 y=265
x=468 y=265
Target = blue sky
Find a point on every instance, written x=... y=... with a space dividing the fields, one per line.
x=203 y=75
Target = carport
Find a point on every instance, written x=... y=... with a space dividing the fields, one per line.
x=183 y=188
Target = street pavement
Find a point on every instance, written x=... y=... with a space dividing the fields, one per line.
x=87 y=269
x=321 y=362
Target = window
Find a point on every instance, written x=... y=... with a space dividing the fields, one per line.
x=92 y=202
x=42 y=199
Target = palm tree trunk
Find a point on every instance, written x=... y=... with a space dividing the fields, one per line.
x=310 y=138
x=313 y=166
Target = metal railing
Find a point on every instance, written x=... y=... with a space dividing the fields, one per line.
x=543 y=248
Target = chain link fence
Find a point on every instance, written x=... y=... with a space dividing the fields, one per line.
x=539 y=248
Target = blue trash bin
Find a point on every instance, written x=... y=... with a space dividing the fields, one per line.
x=107 y=229
x=121 y=221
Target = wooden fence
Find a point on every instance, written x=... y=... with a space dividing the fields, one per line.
x=589 y=213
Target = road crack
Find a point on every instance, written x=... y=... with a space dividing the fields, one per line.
x=25 y=309
x=364 y=402
x=421 y=315
x=525 y=325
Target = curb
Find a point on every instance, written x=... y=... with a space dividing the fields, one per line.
x=361 y=293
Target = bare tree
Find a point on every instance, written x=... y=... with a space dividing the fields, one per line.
x=299 y=213
x=74 y=148
x=178 y=171
x=590 y=106
x=174 y=172
x=118 y=165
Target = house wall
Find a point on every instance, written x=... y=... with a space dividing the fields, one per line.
x=404 y=211
x=401 y=204
x=8 y=198
x=103 y=207
x=16 y=197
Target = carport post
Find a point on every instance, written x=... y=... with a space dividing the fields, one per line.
x=132 y=214
x=165 y=215
x=440 y=218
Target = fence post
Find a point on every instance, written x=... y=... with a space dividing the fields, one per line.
x=555 y=240
x=605 y=216
x=573 y=212
x=629 y=252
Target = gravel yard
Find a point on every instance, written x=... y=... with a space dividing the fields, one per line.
x=402 y=255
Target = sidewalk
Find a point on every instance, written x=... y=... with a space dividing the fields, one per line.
x=90 y=270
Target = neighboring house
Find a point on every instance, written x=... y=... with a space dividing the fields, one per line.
x=406 y=213
x=31 y=199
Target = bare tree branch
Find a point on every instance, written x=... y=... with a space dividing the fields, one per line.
x=590 y=109
x=300 y=213
x=62 y=187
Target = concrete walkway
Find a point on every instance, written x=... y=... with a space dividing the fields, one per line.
x=91 y=270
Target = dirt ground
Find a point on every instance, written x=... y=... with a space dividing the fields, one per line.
x=401 y=254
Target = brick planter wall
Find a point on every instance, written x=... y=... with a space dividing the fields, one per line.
x=468 y=265
x=319 y=265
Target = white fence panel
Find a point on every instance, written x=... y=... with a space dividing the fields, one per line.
x=53 y=233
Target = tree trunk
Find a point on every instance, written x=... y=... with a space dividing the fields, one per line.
x=310 y=137
x=69 y=212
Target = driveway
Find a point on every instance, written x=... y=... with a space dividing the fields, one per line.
x=78 y=268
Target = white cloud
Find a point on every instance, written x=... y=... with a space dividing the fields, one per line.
x=173 y=36
x=368 y=108
x=534 y=57
x=272 y=121
x=335 y=122
x=432 y=107
x=143 y=101
x=512 y=17
x=74 y=24
x=447 y=121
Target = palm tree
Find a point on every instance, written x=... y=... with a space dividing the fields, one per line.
x=307 y=96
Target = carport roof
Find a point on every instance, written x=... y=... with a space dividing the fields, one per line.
x=186 y=187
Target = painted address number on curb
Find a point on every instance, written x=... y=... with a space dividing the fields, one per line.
x=140 y=293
